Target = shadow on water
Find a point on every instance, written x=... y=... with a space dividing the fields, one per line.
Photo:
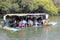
x=37 y=33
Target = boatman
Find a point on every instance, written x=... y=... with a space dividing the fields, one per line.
x=45 y=21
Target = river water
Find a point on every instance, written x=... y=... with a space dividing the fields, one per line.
x=39 y=33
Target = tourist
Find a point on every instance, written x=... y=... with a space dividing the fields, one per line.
x=15 y=24
x=10 y=23
x=36 y=22
x=40 y=20
x=22 y=23
x=30 y=22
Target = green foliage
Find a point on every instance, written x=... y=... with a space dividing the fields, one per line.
x=4 y=6
x=11 y=6
x=50 y=7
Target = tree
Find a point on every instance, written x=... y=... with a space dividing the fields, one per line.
x=32 y=5
x=13 y=6
x=9 y=7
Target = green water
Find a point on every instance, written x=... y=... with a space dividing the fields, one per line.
x=39 y=33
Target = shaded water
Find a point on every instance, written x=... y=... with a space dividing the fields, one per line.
x=39 y=33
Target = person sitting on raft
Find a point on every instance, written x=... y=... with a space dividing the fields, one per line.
x=10 y=23
x=30 y=22
x=15 y=24
x=22 y=23
x=36 y=22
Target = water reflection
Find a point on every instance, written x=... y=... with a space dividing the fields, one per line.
x=46 y=31
x=21 y=33
x=37 y=33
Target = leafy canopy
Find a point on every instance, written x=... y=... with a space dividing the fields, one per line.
x=28 y=6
